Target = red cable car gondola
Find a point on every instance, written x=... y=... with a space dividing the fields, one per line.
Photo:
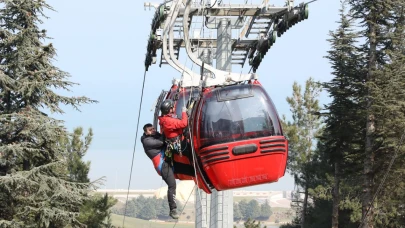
x=236 y=135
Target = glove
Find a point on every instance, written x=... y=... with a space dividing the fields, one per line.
x=184 y=109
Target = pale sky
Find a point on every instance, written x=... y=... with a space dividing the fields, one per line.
x=102 y=44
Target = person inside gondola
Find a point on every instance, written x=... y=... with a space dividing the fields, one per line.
x=154 y=147
x=173 y=128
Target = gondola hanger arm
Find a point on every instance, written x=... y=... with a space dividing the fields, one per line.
x=219 y=77
x=188 y=75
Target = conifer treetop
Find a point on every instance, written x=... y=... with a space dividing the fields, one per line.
x=35 y=188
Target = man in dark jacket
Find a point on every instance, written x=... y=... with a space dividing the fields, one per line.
x=154 y=147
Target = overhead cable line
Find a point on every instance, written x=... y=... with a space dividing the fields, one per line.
x=133 y=153
x=311 y=1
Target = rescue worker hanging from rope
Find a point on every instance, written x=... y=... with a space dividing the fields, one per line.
x=172 y=128
x=155 y=148
x=161 y=148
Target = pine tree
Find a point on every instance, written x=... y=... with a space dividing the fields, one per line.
x=162 y=208
x=265 y=210
x=95 y=212
x=378 y=19
x=344 y=122
x=253 y=211
x=390 y=108
x=301 y=133
x=34 y=188
x=131 y=209
x=97 y=209
x=363 y=125
x=77 y=148
x=244 y=209
x=250 y=223
x=236 y=212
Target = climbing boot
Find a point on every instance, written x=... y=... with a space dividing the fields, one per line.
x=173 y=214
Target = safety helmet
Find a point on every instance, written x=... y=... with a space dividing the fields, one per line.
x=166 y=106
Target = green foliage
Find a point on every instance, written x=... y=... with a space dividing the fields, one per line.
x=343 y=138
x=305 y=126
x=319 y=214
x=302 y=134
x=265 y=211
x=77 y=148
x=237 y=215
x=95 y=212
x=148 y=208
x=163 y=208
x=389 y=107
x=254 y=210
x=252 y=224
x=288 y=225
x=34 y=188
x=383 y=29
x=344 y=122
x=245 y=210
x=130 y=212
x=363 y=123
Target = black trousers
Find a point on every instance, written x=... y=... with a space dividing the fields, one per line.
x=168 y=177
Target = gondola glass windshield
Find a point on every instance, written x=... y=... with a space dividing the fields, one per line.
x=236 y=113
x=183 y=100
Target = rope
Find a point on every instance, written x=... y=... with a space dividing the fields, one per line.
x=213 y=4
x=311 y=1
x=195 y=173
x=384 y=178
x=202 y=22
x=202 y=34
x=133 y=153
x=189 y=99
x=191 y=139
x=193 y=152
x=184 y=205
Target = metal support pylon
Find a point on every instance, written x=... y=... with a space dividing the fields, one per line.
x=202 y=209
x=221 y=211
x=260 y=24
x=202 y=199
